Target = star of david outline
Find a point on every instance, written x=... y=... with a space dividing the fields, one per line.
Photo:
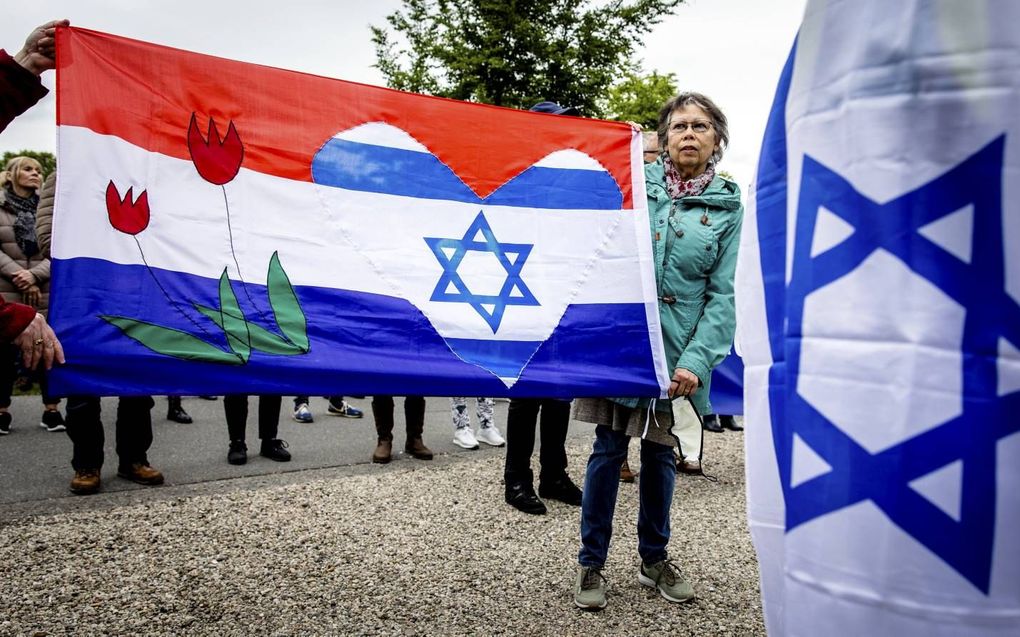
x=451 y=276
x=882 y=478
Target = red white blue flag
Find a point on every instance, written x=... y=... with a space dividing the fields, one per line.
x=224 y=227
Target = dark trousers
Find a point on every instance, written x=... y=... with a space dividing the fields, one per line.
x=414 y=416
x=236 y=409
x=601 y=484
x=521 y=420
x=85 y=429
x=9 y=374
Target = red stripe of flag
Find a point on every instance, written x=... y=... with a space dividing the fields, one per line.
x=145 y=94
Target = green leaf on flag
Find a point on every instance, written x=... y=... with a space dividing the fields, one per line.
x=286 y=309
x=232 y=320
x=171 y=342
x=262 y=340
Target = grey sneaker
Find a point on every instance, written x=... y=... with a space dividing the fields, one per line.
x=666 y=576
x=590 y=588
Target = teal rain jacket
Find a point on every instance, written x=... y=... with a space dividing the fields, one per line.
x=695 y=242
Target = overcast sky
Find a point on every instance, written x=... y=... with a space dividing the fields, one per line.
x=731 y=50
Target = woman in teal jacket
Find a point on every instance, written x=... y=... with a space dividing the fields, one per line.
x=695 y=217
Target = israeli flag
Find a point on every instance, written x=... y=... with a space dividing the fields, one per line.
x=879 y=321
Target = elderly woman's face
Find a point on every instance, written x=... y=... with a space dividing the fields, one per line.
x=691 y=139
x=29 y=176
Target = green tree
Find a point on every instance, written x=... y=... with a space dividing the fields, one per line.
x=515 y=52
x=47 y=160
x=638 y=98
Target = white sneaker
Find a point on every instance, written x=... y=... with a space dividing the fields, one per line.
x=463 y=437
x=491 y=437
x=303 y=414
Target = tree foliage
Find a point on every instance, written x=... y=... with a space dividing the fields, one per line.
x=47 y=160
x=638 y=98
x=515 y=52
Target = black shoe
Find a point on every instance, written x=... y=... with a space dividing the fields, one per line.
x=238 y=453
x=176 y=413
x=729 y=422
x=275 y=449
x=52 y=421
x=711 y=423
x=521 y=496
x=561 y=489
x=5 y=423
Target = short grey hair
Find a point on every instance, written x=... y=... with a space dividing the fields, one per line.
x=688 y=98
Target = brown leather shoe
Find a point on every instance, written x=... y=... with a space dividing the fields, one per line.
x=383 y=452
x=85 y=482
x=626 y=475
x=690 y=467
x=416 y=447
x=141 y=473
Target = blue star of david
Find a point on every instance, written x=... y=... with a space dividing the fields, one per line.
x=979 y=286
x=513 y=292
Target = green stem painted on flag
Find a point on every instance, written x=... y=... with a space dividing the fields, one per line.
x=242 y=336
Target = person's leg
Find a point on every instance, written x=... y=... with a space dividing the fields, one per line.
x=520 y=440
x=134 y=429
x=382 y=413
x=462 y=434
x=269 y=416
x=414 y=414
x=175 y=411
x=484 y=411
x=85 y=429
x=655 y=493
x=134 y=437
x=269 y=424
x=459 y=413
x=552 y=454
x=601 y=484
x=488 y=432
x=235 y=409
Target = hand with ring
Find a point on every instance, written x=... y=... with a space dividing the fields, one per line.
x=38 y=344
x=684 y=383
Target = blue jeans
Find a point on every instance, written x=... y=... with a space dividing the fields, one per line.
x=601 y=483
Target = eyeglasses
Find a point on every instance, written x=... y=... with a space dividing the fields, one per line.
x=698 y=126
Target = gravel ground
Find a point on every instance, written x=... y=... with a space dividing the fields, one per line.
x=408 y=548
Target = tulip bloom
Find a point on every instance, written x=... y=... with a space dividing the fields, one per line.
x=217 y=160
x=127 y=216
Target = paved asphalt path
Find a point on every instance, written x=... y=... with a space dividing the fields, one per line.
x=35 y=465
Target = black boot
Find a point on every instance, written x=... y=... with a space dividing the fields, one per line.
x=521 y=496
x=175 y=412
x=711 y=423
x=729 y=422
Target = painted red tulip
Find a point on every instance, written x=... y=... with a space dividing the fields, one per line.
x=127 y=216
x=217 y=160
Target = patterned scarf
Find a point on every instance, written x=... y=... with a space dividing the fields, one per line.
x=24 y=225
x=678 y=187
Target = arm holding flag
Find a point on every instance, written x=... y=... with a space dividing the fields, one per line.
x=19 y=75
